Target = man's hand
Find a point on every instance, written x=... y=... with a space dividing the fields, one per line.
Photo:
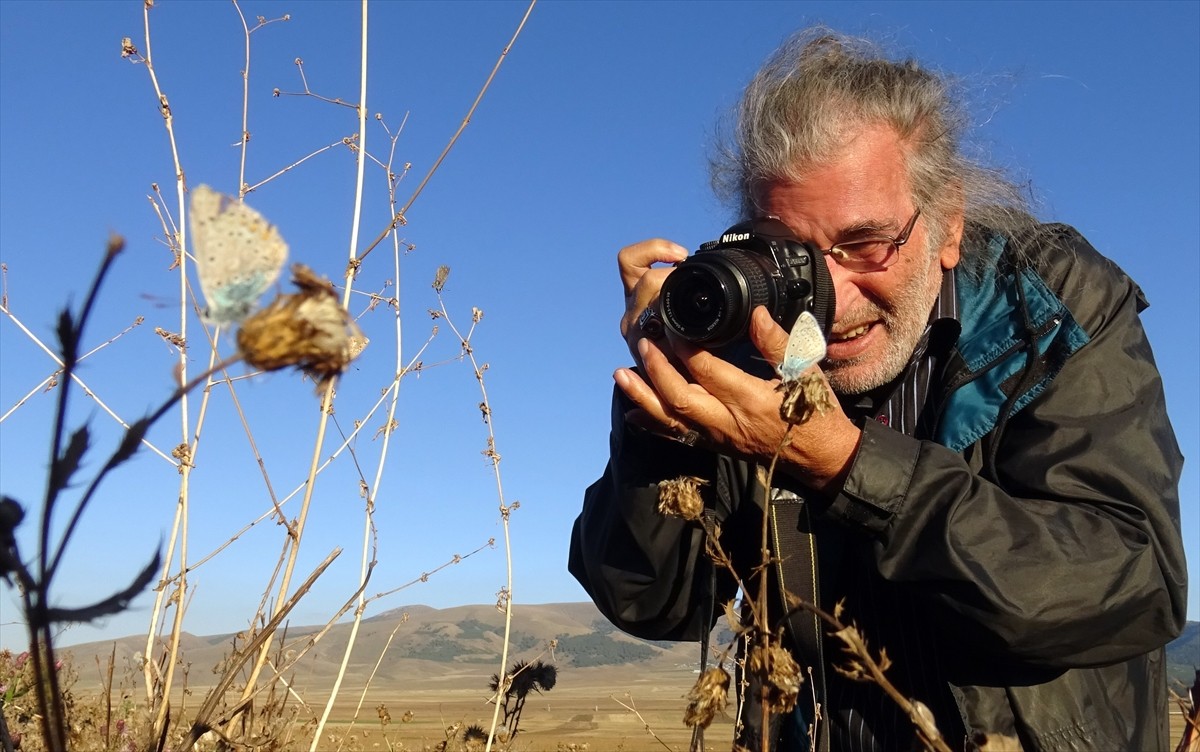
x=734 y=412
x=642 y=281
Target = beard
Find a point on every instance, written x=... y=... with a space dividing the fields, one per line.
x=904 y=319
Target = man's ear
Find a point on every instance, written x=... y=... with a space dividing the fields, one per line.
x=951 y=251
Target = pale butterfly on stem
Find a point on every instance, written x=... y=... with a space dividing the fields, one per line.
x=804 y=394
x=238 y=253
x=805 y=348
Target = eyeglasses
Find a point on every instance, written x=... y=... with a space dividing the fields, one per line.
x=872 y=254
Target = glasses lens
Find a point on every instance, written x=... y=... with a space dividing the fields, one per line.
x=866 y=255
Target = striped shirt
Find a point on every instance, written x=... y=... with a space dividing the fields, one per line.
x=859 y=716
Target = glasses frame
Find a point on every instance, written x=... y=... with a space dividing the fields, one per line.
x=849 y=262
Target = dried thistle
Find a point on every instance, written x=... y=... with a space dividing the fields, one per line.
x=681 y=497
x=308 y=330
x=803 y=397
x=861 y=666
x=707 y=698
x=779 y=673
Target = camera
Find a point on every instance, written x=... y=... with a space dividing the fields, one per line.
x=708 y=298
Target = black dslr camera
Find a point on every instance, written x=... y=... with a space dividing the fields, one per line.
x=708 y=298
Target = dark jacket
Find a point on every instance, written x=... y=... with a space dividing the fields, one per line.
x=1036 y=529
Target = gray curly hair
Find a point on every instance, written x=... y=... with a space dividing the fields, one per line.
x=819 y=88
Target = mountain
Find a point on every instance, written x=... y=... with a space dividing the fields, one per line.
x=424 y=646
x=1183 y=655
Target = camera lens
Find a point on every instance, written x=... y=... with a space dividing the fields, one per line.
x=708 y=299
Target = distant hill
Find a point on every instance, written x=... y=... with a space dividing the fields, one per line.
x=426 y=645
x=1183 y=654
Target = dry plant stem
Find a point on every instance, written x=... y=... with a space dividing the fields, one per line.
x=310 y=642
x=167 y=588
x=251 y=188
x=180 y=533
x=204 y=717
x=763 y=626
x=424 y=576
x=292 y=545
x=52 y=380
x=398 y=218
x=505 y=510
x=242 y=190
x=100 y=476
x=368 y=524
x=633 y=709
x=185 y=475
x=35 y=592
x=277 y=505
x=930 y=736
x=72 y=376
x=370 y=678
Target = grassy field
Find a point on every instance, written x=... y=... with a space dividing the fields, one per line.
x=588 y=711
x=574 y=716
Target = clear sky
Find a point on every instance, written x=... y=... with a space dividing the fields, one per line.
x=594 y=135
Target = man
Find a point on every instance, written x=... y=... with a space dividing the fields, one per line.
x=994 y=495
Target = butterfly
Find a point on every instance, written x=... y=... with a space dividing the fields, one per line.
x=805 y=347
x=238 y=254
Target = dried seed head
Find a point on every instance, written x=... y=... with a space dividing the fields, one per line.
x=780 y=674
x=708 y=697
x=308 y=330
x=681 y=497
x=803 y=398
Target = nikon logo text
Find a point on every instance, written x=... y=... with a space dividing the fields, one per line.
x=730 y=237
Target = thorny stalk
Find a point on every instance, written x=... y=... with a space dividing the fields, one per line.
x=504 y=602
x=64 y=462
x=35 y=592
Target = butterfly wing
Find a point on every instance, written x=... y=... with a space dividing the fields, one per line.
x=805 y=347
x=239 y=254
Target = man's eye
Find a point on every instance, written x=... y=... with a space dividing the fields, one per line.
x=866 y=248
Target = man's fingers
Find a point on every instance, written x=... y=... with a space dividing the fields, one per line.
x=768 y=336
x=641 y=297
x=650 y=413
x=635 y=260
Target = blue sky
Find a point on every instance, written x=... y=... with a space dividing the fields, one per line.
x=593 y=135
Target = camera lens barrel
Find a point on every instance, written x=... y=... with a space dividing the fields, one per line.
x=708 y=298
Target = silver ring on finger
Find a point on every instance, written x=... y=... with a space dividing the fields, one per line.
x=650 y=323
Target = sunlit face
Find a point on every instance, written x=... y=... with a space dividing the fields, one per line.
x=880 y=315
